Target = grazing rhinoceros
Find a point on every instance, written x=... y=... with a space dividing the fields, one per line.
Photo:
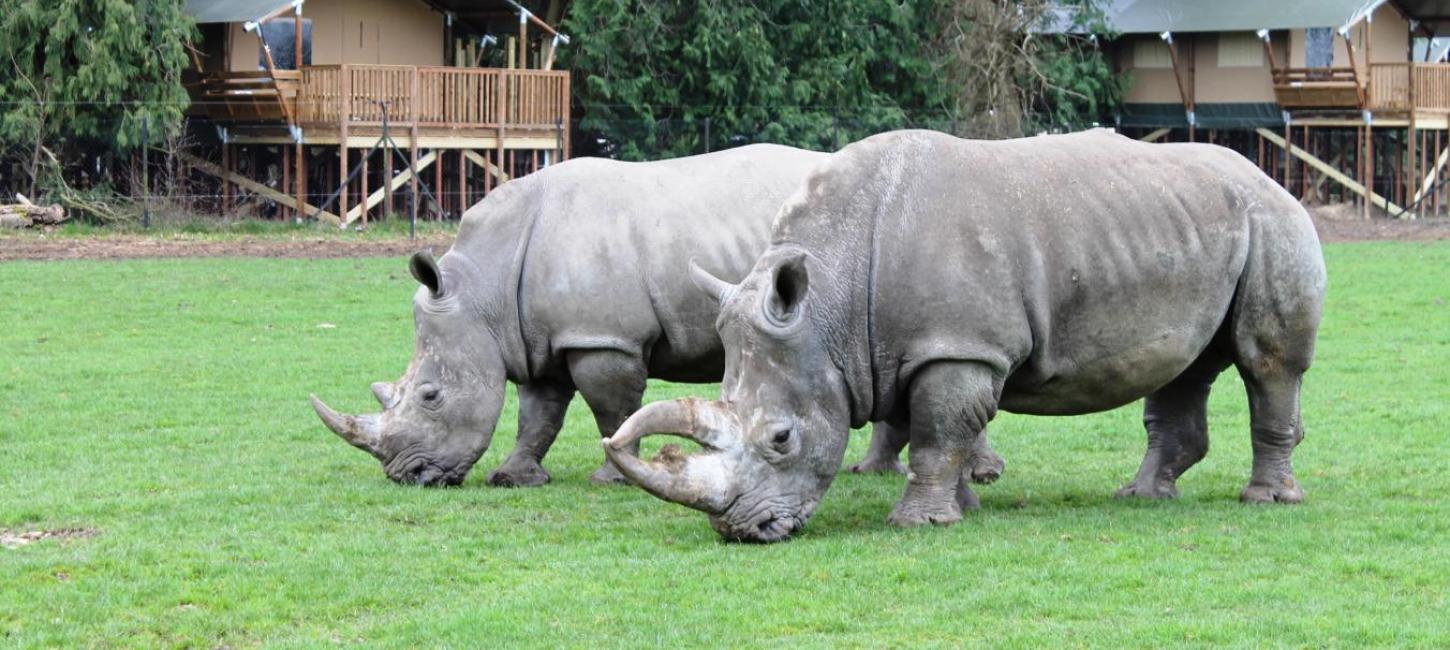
x=574 y=278
x=929 y=281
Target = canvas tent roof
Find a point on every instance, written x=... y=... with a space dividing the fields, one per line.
x=233 y=11
x=1157 y=16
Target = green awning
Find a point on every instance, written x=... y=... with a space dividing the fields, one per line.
x=1218 y=115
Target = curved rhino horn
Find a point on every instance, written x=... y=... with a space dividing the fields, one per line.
x=361 y=431
x=718 y=289
x=701 y=481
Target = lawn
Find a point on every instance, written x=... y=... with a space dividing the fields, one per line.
x=155 y=415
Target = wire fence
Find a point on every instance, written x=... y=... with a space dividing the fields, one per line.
x=165 y=179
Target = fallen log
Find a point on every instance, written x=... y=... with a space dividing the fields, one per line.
x=26 y=214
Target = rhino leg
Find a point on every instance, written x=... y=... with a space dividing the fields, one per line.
x=612 y=383
x=1274 y=422
x=1176 y=417
x=542 y=407
x=883 y=456
x=951 y=403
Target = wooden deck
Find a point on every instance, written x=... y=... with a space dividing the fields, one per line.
x=443 y=107
x=1394 y=89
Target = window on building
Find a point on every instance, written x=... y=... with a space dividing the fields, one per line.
x=1151 y=53
x=1240 y=50
x=1318 y=47
x=282 y=36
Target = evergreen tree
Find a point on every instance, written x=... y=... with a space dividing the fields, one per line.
x=93 y=73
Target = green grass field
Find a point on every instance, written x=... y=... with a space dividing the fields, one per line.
x=160 y=406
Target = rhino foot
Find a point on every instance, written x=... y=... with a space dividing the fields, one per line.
x=1285 y=491
x=519 y=475
x=985 y=467
x=879 y=466
x=608 y=474
x=1148 y=490
x=916 y=509
x=909 y=516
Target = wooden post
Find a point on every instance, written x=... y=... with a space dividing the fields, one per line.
x=503 y=111
x=413 y=165
x=523 y=39
x=342 y=177
x=565 y=106
x=301 y=155
x=364 y=204
x=286 y=179
x=1435 y=193
x=343 y=118
x=1368 y=162
x=1413 y=160
x=438 y=185
x=226 y=186
x=297 y=37
x=1369 y=51
x=387 y=181
x=1304 y=177
x=462 y=183
x=1288 y=159
x=487 y=177
x=1359 y=155
x=1184 y=91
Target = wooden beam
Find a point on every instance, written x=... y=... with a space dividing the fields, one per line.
x=1153 y=137
x=297 y=37
x=1434 y=175
x=397 y=181
x=1177 y=76
x=1328 y=170
x=256 y=187
x=1354 y=68
x=486 y=165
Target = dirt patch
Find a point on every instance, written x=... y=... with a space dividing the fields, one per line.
x=140 y=246
x=16 y=539
x=1343 y=222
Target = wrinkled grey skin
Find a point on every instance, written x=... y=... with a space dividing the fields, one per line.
x=572 y=279
x=929 y=281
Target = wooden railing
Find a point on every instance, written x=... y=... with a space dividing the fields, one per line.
x=1313 y=76
x=252 y=95
x=1400 y=86
x=433 y=96
x=1389 y=86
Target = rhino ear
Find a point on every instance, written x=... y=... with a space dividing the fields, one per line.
x=788 y=287
x=425 y=270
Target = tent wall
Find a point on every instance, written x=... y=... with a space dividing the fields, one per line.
x=359 y=31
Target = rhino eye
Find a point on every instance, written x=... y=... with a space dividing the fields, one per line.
x=429 y=394
x=781 y=437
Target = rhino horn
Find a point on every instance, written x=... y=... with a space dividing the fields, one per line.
x=702 y=481
x=386 y=395
x=718 y=289
x=361 y=431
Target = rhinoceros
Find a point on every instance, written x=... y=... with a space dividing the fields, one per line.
x=929 y=281
x=573 y=279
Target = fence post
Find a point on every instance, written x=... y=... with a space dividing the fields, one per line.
x=145 y=174
x=707 y=135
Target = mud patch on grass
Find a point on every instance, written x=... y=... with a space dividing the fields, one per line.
x=13 y=539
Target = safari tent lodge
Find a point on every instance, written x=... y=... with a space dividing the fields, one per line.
x=1337 y=99
x=297 y=95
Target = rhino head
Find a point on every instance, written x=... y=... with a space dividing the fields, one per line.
x=438 y=419
x=774 y=441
